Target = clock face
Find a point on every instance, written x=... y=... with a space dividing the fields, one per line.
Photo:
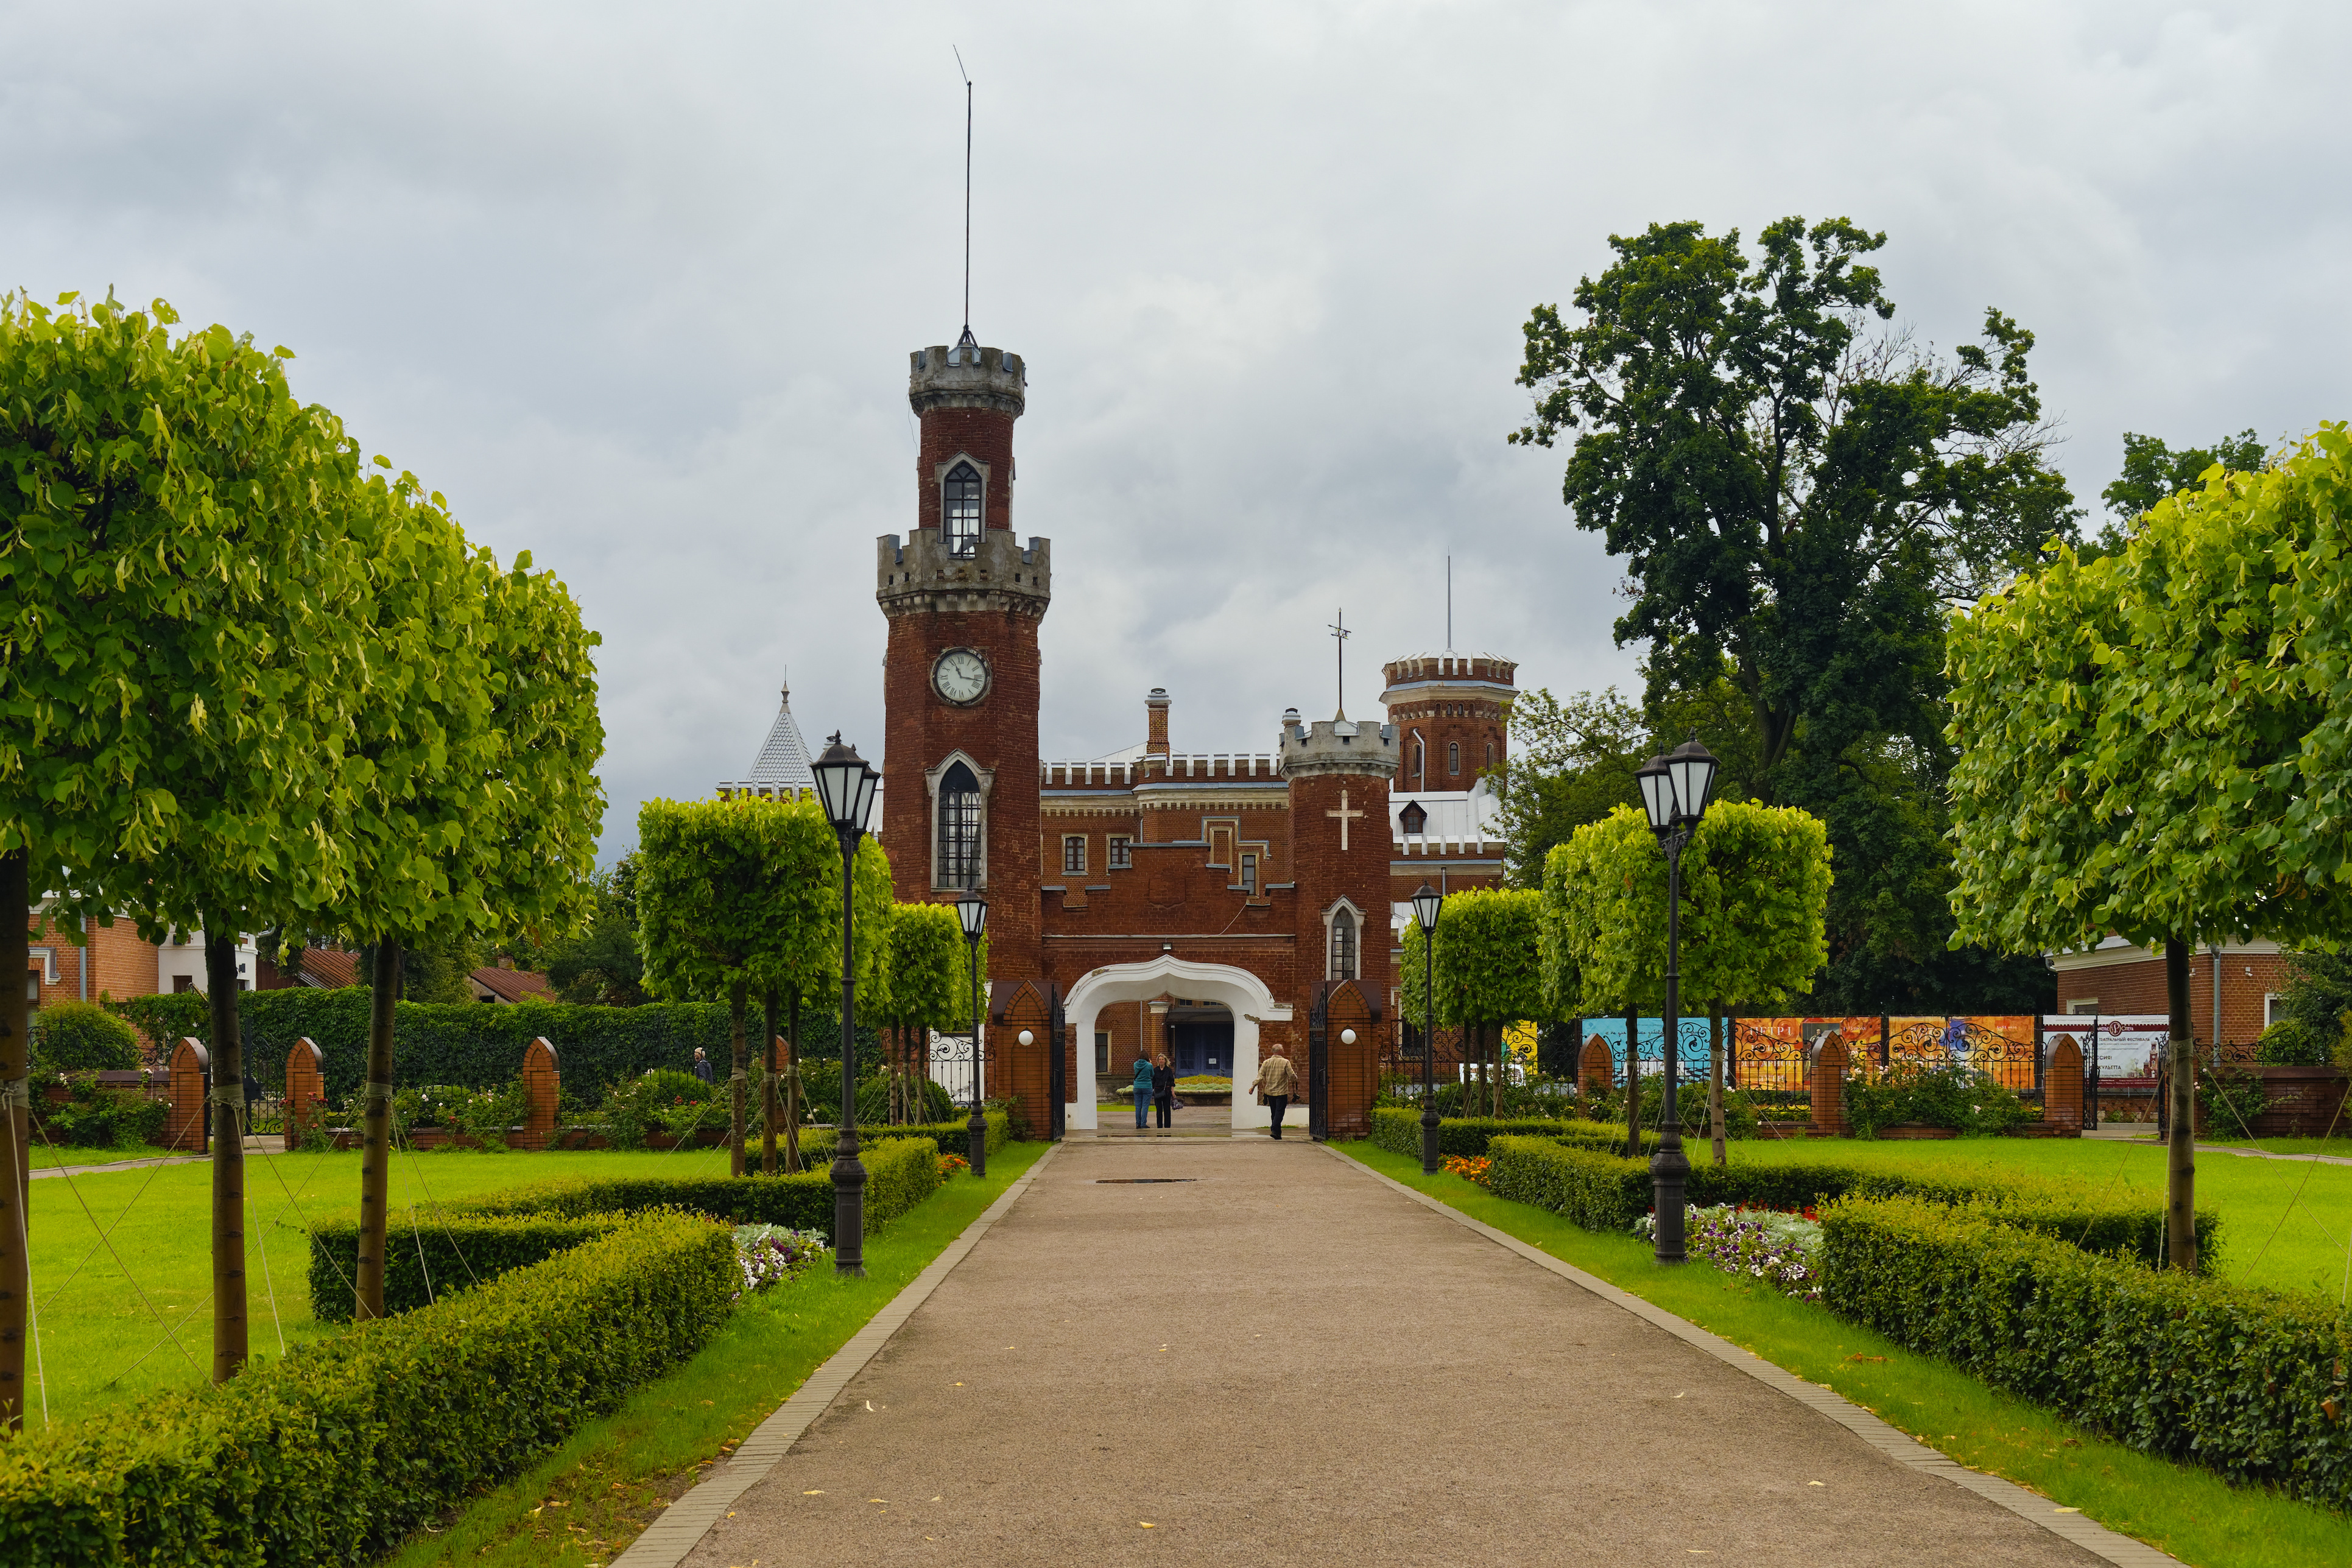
x=961 y=676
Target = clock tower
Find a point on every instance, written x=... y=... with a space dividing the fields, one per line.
x=961 y=677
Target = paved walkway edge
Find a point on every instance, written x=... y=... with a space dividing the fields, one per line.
x=686 y=1521
x=1900 y=1446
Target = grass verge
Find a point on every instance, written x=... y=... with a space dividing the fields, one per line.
x=584 y=1503
x=2190 y=1513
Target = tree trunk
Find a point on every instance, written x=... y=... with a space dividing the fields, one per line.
x=1633 y=1085
x=1715 y=1079
x=739 y=1051
x=768 y=1083
x=228 y=1152
x=2180 y=1144
x=16 y=1127
x=793 y=1092
x=375 y=1132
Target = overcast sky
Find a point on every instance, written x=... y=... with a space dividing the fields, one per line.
x=634 y=286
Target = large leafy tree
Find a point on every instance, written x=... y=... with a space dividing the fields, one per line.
x=1755 y=887
x=1486 y=972
x=930 y=988
x=475 y=806
x=1797 y=495
x=2157 y=743
x=181 y=564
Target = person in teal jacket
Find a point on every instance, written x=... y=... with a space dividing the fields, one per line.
x=1142 y=1089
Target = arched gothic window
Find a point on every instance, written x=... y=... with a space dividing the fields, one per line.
x=1490 y=754
x=1343 y=944
x=959 y=836
x=959 y=511
x=1452 y=758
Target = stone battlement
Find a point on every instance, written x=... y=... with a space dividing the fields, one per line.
x=1450 y=667
x=942 y=376
x=1339 y=746
x=918 y=574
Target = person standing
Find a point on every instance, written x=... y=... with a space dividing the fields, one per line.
x=701 y=1065
x=1144 y=1076
x=1277 y=1080
x=1163 y=1091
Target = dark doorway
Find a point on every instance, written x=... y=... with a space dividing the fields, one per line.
x=1200 y=1041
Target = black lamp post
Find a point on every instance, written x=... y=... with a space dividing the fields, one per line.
x=1427 y=905
x=1674 y=792
x=972 y=910
x=844 y=787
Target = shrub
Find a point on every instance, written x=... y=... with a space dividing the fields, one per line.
x=1935 y=1095
x=437 y=1254
x=82 y=1037
x=653 y=1102
x=954 y=1136
x=334 y=1453
x=2290 y=1043
x=2249 y=1383
x=96 y=1118
x=821 y=1097
x=1398 y=1130
x=1606 y=1192
x=1690 y=1099
x=2233 y=1098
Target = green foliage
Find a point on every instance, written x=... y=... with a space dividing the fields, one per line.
x=2251 y=1383
x=1485 y=960
x=951 y=1134
x=1690 y=1104
x=601 y=964
x=77 y=1037
x=2290 y=1044
x=2233 y=1098
x=334 y=1453
x=2152 y=744
x=478 y=1046
x=739 y=890
x=1399 y=1132
x=931 y=973
x=2153 y=471
x=1938 y=1095
x=442 y=1254
x=96 y=1118
x=1756 y=882
x=635 y=1106
x=1796 y=499
x=2318 y=998
x=184 y=618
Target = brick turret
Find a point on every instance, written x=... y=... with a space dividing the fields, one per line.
x=1453 y=711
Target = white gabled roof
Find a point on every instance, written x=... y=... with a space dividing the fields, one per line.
x=784 y=760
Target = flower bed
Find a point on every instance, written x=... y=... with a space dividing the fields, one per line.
x=772 y=1254
x=1782 y=1250
x=1470 y=1168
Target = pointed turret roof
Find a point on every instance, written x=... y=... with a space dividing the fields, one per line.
x=784 y=760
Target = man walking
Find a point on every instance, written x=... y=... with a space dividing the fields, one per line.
x=1277 y=1080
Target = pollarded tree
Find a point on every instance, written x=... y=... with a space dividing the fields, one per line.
x=181 y=621
x=1487 y=973
x=2156 y=743
x=476 y=807
x=798 y=959
x=712 y=895
x=1755 y=884
x=930 y=988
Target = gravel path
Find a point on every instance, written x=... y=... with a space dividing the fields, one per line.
x=1283 y=1360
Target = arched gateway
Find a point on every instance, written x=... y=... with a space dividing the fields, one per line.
x=1241 y=993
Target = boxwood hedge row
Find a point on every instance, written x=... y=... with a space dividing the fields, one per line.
x=2251 y=1383
x=1399 y=1132
x=334 y=1453
x=953 y=1137
x=1608 y=1192
x=457 y=1245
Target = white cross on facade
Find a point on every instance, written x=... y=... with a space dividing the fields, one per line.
x=1343 y=814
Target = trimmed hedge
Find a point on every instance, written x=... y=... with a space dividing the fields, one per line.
x=439 y=1254
x=1607 y=1192
x=2249 y=1383
x=953 y=1137
x=468 y=1044
x=335 y=1452
x=470 y=1241
x=1398 y=1130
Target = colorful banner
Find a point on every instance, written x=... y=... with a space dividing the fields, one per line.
x=2128 y=1045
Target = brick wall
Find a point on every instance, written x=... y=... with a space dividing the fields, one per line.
x=2135 y=984
x=981 y=434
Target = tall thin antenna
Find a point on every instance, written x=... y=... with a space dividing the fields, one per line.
x=1340 y=635
x=1449 y=604
x=967 y=197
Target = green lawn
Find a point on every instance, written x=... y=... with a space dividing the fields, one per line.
x=45 y=1157
x=2284 y=1223
x=2190 y=1513
x=123 y=1315
x=583 y=1504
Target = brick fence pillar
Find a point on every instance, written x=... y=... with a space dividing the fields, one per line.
x=1827 y=1083
x=1596 y=1069
x=306 y=1090
x=2062 y=1083
x=542 y=1081
x=187 y=1128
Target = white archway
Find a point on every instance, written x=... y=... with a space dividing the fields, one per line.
x=1243 y=994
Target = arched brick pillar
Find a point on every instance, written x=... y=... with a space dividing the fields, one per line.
x=1596 y=1069
x=305 y=1088
x=1826 y=1080
x=185 y=1129
x=2061 y=1082
x=543 y=1083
